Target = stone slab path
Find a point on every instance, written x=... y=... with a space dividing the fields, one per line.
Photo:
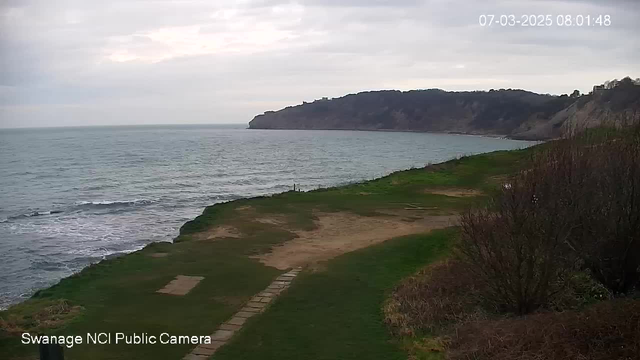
x=181 y=285
x=256 y=305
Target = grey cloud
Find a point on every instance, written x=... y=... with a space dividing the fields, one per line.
x=133 y=61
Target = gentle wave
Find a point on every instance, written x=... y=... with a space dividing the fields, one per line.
x=113 y=203
x=83 y=204
x=31 y=214
x=106 y=203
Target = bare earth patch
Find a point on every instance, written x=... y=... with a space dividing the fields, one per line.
x=455 y=192
x=218 y=232
x=159 y=255
x=272 y=220
x=339 y=233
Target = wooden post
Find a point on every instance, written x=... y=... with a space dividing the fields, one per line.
x=51 y=352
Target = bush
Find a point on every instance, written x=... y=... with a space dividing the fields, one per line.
x=578 y=204
x=437 y=297
x=605 y=331
x=517 y=243
x=608 y=228
x=581 y=290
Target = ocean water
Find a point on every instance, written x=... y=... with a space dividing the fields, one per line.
x=70 y=197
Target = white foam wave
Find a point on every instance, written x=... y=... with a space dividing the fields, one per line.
x=31 y=214
x=117 y=202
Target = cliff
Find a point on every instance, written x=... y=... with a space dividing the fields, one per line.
x=514 y=113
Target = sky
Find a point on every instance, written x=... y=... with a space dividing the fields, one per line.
x=130 y=62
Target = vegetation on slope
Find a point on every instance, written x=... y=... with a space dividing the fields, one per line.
x=550 y=265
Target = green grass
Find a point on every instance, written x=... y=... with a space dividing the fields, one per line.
x=337 y=313
x=341 y=304
x=389 y=192
x=119 y=296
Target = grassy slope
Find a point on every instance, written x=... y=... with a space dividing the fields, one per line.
x=336 y=314
x=119 y=295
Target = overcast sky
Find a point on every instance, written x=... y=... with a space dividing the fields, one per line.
x=99 y=62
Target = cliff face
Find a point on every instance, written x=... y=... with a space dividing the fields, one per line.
x=514 y=113
x=616 y=107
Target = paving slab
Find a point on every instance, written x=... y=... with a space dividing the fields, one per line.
x=182 y=284
x=250 y=309
x=236 y=320
x=193 y=356
x=256 y=305
x=245 y=314
x=214 y=345
x=230 y=327
x=222 y=335
x=201 y=350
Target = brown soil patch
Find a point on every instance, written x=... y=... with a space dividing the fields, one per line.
x=499 y=179
x=454 y=192
x=218 y=232
x=244 y=208
x=272 y=220
x=339 y=233
x=413 y=212
x=158 y=255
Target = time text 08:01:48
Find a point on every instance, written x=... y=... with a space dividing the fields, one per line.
x=545 y=20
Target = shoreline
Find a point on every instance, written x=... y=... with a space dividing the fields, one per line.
x=172 y=237
x=492 y=136
x=237 y=248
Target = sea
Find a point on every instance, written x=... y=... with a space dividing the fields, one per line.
x=70 y=197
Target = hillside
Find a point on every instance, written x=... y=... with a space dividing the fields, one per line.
x=514 y=113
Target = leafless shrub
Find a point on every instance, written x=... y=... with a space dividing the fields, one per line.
x=608 y=237
x=517 y=243
x=578 y=203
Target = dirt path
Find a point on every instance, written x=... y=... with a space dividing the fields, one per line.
x=339 y=233
x=455 y=192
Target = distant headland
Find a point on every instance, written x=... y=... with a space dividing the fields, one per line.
x=513 y=113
